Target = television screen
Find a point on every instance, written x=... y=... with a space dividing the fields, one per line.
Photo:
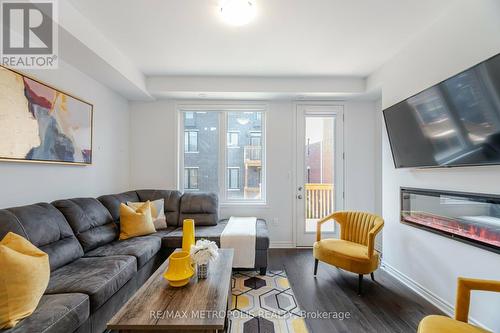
x=454 y=123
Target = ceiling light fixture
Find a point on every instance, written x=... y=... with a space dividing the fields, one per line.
x=237 y=12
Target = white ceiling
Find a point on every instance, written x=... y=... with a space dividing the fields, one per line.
x=288 y=38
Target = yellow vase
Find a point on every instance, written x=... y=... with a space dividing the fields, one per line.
x=187 y=235
x=179 y=269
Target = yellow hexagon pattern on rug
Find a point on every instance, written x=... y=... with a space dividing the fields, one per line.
x=243 y=302
x=264 y=303
x=299 y=325
x=283 y=283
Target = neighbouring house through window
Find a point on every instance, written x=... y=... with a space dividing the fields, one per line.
x=233 y=139
x=191 y=178
x=191 y=141
x=224 y=140
x=233 y=178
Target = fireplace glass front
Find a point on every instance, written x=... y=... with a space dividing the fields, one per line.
x=468 y=217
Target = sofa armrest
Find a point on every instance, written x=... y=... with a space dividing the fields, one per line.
x=464 y=287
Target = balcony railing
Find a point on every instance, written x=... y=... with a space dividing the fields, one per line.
x=253 y=155
x=319 y=200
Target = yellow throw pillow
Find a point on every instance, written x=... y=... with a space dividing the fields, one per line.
x=157 y=211
x=24 y=276
x=136 y=222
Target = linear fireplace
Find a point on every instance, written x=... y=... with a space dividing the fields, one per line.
x=468 y=217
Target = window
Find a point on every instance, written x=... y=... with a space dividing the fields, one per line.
x=204 y=140
x=190 y=120
x=255 y=139
x=191 y=178
x=258 y=119
x=191 y=141
x=232 y=139
x=225 y=140
x=233 y=178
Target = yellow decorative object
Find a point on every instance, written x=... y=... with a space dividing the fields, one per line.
x=443 y=324
x=187 y=235
x=179 y=269
x=24 y=276
x=157 y=212
x=135 y=223
x=355 y=250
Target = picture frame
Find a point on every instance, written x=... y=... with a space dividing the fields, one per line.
x=40 y=123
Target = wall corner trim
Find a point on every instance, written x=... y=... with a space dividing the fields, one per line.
x=434 y=299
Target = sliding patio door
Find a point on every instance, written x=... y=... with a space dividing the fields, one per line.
x=319 y=169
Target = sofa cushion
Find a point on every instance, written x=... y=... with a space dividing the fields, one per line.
x=262 y=240
x=134 y=222
x=112 y=202
x=90 y=220
x=99 y=278
x=346 y=255
x=24 y=276
x=46 y=228
x=444 y=324
x=174 y=238
x=142 y=248
x=172 y=200
x=262 y=234
x=157 y=212
x=164 y=233
x=55 y=314
x=203 y=208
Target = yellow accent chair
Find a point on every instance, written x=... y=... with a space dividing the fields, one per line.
x=443 y=324
x=355 y=250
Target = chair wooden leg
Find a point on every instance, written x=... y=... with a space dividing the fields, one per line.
x=373 y=276
x=360 y=284
x=315 y=266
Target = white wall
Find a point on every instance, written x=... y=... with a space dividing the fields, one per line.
x=153 y=137
x=26 y=183
x=360 y=156
x=466 y=35
x=379 y=123
x=153 y=159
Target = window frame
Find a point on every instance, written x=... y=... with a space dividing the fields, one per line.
x=188 y=169
x=253 y=136
x=188 y=131
x=228 y=175
x=223 y=110
x=237 y=133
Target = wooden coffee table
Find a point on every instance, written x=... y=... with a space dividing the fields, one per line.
x=200 y=306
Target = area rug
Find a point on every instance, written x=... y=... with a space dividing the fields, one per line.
x=264 y=304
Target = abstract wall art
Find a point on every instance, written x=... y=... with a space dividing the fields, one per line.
x=39 y=123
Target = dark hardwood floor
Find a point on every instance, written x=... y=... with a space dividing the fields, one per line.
x=385 y=306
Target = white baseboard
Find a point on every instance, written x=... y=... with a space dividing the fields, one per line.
x=428 y=295
x=282 y=245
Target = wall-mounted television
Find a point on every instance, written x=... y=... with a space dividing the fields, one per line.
x=454 y=123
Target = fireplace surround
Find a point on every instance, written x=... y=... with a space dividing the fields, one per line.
x=471 y=218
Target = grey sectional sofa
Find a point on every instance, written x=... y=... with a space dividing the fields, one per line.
x=92 y=273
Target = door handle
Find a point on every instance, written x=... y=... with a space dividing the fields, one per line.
x=300 y=188
x=299 y=196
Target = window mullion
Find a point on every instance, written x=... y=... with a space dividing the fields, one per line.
x=223 y=152
x=181 y=151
